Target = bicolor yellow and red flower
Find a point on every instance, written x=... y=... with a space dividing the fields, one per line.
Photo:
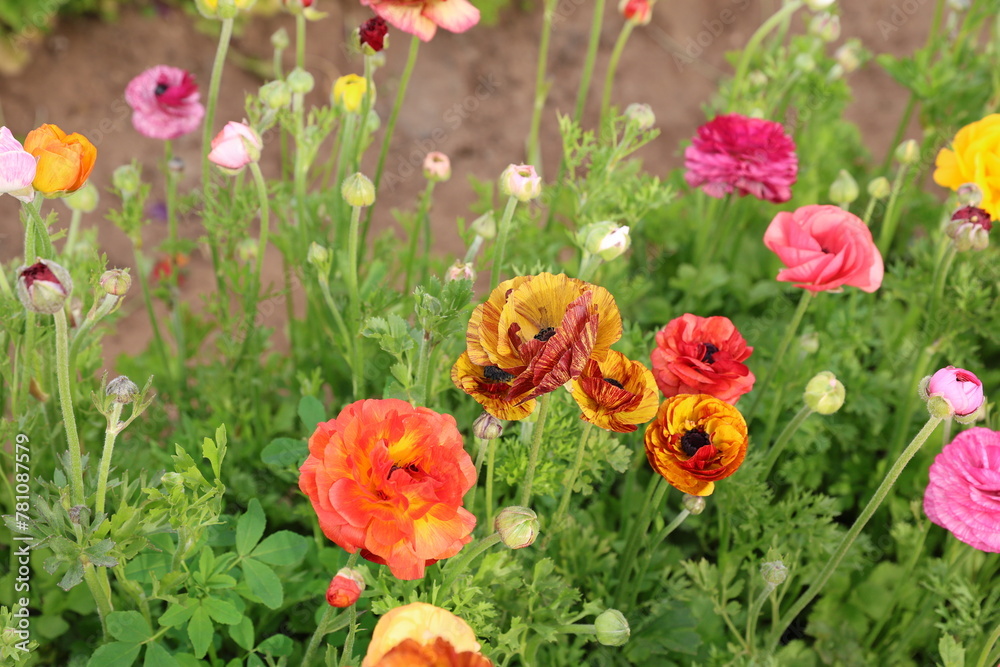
x=64 y=160
x=423 y=17
x=387 y=478
x=422 y=635
x=616 y=394
x=696 y=440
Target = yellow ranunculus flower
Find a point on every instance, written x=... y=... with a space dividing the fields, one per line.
x=974 y=157
x=349 y=92
x=210 y=8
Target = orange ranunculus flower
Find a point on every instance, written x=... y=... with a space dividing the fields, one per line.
x=538 y=332
x=388 y=478
x=695 y=440
x=490 y=387
x=974 y=157
x=419 y=634
x=64 y=161
x=616 y=394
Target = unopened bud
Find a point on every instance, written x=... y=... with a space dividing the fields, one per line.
x=44 y=286
x=84 y=200
x=437 y=167
x=279 y=39
x=127 y=180
x=460 y=271
x=804 y=63
x=485 y=226
x=809 y=342
x=358 y=190
x=826 y=26
x=518 y=526
x=300 y=81
x=122 y=389
x=611 y=628
x=848 y=55
x=614 y=244
x=642 y=115
x=819 y=5
x=773 y=573
x=825 y=393
x=487 y=427
x=693 y=504
x=908 y=152
x=74 y=513
x=318 y=256
x=247 y=249
x=275 y=94
x=345 y=588
x=969 y=228
x=844 y=189
x=757 y=79
x=969 y=194
x=639 y=12
x=879 y=188
x=349 y=92
x=116 y=282
x=521 y=182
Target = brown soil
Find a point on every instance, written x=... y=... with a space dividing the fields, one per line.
x=471 y=97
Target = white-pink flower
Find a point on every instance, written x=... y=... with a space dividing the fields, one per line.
x=236 y=146
x=423 y=17
x=164 y=102
x=17 y=168
x=963 y=494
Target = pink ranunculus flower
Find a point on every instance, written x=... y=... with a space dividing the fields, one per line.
x=824 y=248
x=961 y=388
x=236 y=146
x=963 y=494
x=164 y=102
x=17 y=168
x=749 y=155
x=423 y=17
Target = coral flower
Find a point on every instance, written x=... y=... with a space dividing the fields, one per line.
x=164 y=102
x=616 y=394
x=388 y=478
x=64 y=161
x=17 y=168
x=974 y=157
x=695 y=440
x=421 y=634
x=963 y=494
x=702 y=355
x=538 y=332
x=749 y=155
x=825 y=248
x=423 y=17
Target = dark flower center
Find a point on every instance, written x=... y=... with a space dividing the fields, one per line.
x=709 y=351
x=410 y=467
x=160 y=89
x=694 y=440
x=545 y=334
x=497 y=374
x=614 y=382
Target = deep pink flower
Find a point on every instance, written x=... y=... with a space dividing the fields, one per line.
x=961 y=388
x=825 y=247
x=236 y=146
x=164 y=102
x=750 y=155
x=963 y=494
x=17 y=168
x=372 y=33
x=423 y=17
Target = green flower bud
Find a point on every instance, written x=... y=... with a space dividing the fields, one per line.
x=485 y=226
x=693 y=504
x=300 y=81
x=84 y=200
x=318 y=256
x=116 y=282
x=123 y=390
x=642 y=115
x=358 y=190
x=879 y=188
x=518 y=526
x=275 y=94
x=908 y=152
x=804 y=63
x=611 y=628
x=279 y=40
x=825 y=393
x=127 y=180
x=969 y=194
x=809 y=342
x=774 y=573
x=844 y=189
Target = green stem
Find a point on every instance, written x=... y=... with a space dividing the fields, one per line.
x=300 y=40
x=588 y=264
x=171 y=177
x=460 y=563
x=541 y=90
x=338 y=319
x=329 y=615
x=142 y=266
x=753 y=44
x=490 y=461
x=265 y=224
x=988 y=648
x=570 y=480
x=654 y=497
x=945 y=260
x=793 y=326
x=481 y=447
x=920 y=370
x=109 y=446
x=299 y=167
x=74 y=229
x=420 y=222
x=784 y=439
x=754 y=612
x=588 y=63
x=504 y=232
x=880 y=494
x=357 y=364
x=575 y=629
x=102 y=311
x=423 y=363
x=869 y=210
x=225 y=35
x=33 y=217
x=891 y=217
x=101 y=595
x=883 y=617
x=658 y=539
x=609 y=78
x=66 y=403
x=536 y=444
x=352 y=626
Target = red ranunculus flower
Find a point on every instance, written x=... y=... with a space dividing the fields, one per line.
x=702 y=355
x=388 y=478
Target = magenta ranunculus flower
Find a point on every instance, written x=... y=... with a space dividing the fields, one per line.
x=236 y=146
x=749 y=155
x=961 y=388
x=423 y=17
x=164 y=102
x=17 y=168
x=963 y=494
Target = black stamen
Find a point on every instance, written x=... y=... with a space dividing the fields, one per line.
x=160 y=89
x=614 y=382
x=709 y=351
x=497 y=374
x=545 y=334
x=694 y=440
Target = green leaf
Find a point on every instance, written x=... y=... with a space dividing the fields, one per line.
x=129 y=626
x=952 y=653
x=282 y=548
x=200 y=631
x=222 y=611
x=311 y=412
x=157 y=656
x=115 y=654
x=176 y=614
x=284 y=452
x=73 y=576
x=98 y=554
x=250 y=527
x=242 y=633
x=263 y=583
x=276 y=645
x=253 y=660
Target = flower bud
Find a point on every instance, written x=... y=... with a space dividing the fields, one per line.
x=642 y=115
x=809 y=342
x=358 y=190
x=43 y=287
x=693 y=504
x=127 y=180
x=318 y=256
x=614 y=244
x=848 y=55
x=459 y=271
x=372 y=35
x=757 y=79
x=84 y=200
x=275 y=94
x=969 y=228
x=639 y=12
x=804 y=63
x=844 y=189
x=123 y=390
x=349 y=92
x=826 y=26
x=279 y=39
x=611 y=628
x=487 y=427
x=952 y=391
x=521 y=182
x=773 y=573
x=879 y=188
x=437 y=167
x=824 y=393
x=247 y=249
x=345 y=588
x=908 y=152
x=518 y=526
x=969 y=194
x=819 y=5
x=176 y=165
x=300 y=81
x=74 y=513
x=485 y=226
x=116 y=282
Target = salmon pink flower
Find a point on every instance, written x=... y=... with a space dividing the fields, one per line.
x=825 y=248
x=963 y=494
x=236 y=146
x=164 y=102
x=420 y=634
x=960 y=388
x=423 y=17
x=749 y=155
x=702 y=355
x=17 y=168
x=387 y=479
x=64 y=160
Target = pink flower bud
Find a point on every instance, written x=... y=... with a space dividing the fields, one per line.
x=437 y=167
x=639 y=12
x=44 y=286
x=345 y=588
x=960 y=388
x=235 y=147
x=521 y=181
x=17 y=168
x=460 y=271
